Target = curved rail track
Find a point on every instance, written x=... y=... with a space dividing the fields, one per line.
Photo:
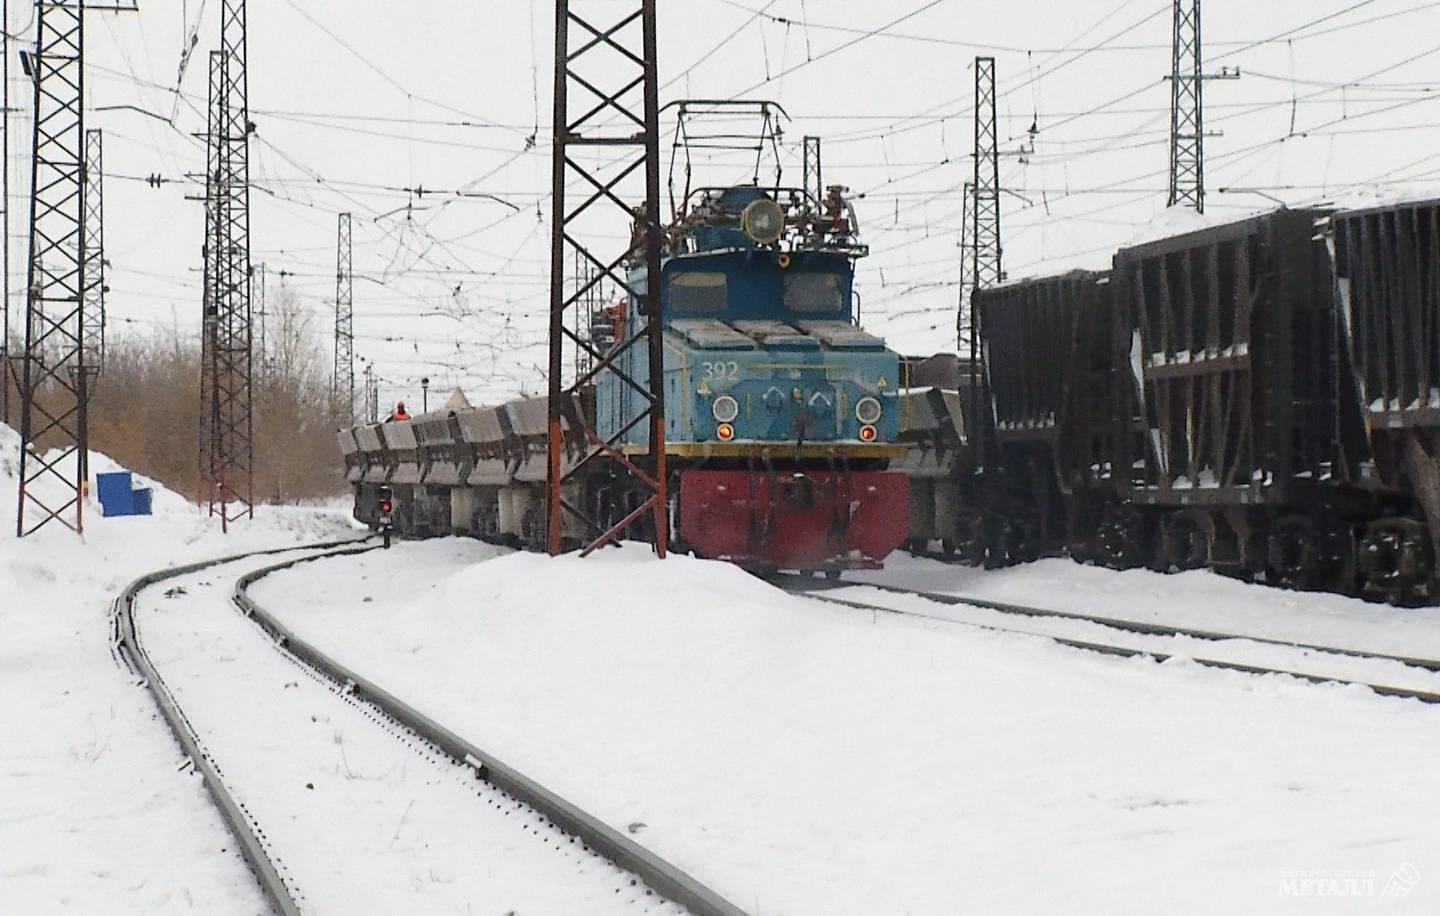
x=551 y=813
x=814 y=589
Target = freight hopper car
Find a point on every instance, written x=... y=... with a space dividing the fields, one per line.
x=1261 y=397
x=781 y=412
x=936 y=423
x=1252 y=446
x=1057 y=406
x=1387 y=264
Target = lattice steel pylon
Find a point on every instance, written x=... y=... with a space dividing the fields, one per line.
x=967 y=267
x=985 y=193
x=1187 y=110
x=342 y=390
x=229 y=438
x=205 y=486
x=94 y=317
x=608 y=152
x=986 y=253
x=814 y=180
x=54 y=377
x=262 y=347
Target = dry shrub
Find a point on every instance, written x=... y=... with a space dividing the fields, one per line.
x=145 y=409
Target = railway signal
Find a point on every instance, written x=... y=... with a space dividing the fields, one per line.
x=387 y=520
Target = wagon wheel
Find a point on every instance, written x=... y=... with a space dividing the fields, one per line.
x=1180 y=545
x=972 y=537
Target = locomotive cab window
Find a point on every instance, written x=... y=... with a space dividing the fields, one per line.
x=696 y=291
x=814 y=293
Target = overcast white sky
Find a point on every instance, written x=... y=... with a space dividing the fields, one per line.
x=356 y=101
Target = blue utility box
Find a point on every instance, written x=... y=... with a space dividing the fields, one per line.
x=120 y=496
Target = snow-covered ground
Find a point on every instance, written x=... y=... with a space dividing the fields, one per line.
x=799 y=757
x=361 y=818
x=94 y=816
x=1279 y=657
x=1197 y=600
x=803 y=758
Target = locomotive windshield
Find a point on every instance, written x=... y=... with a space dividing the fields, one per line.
x=814 y=293
x=697 y=291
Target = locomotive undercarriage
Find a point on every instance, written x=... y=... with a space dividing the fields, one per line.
x=815 y=516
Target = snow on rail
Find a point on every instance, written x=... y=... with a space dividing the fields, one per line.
x=670 y=881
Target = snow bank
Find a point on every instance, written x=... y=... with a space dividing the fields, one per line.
x=1196 y=599
x=94 y=816
x=803 y=758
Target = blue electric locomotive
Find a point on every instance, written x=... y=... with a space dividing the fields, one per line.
x=781 y=413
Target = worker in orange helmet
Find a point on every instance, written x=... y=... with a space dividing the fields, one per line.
x=399 y=413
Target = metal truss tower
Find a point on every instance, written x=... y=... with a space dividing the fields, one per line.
x=94 y=317
x=814 y=180
x=967 y=266
x=342 y=391
x=614 y=136
x=1187 y=112
x=262 y=349
x=228 y=426
x=205 y=487
x=985 y=193
x=371 y=407
x=54 y=377
x=985 y=251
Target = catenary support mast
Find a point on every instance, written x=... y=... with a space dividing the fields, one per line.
x=1187 y=114
x=985 y=248
x=230 y=436
x=53 y=371
x=342 y=393
x=94 y=317
x=1187 y=108
x=985 y=193
x=605 y=141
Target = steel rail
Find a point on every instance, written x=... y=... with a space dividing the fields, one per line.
x=127 y=646
x=808 y=589
x=666 y=879
x=1135 y=626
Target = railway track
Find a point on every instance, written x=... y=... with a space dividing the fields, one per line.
x=326 y=780
x=1406 y=677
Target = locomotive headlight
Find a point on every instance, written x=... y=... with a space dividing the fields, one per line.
x=725 y=408
x=867 y=410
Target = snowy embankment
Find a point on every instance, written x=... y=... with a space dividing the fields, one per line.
x=1198 y=600
x=802 y=758
x=94 y=817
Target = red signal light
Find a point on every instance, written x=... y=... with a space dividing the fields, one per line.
x=385 y=507
x=725 y=431
x=867 y=434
